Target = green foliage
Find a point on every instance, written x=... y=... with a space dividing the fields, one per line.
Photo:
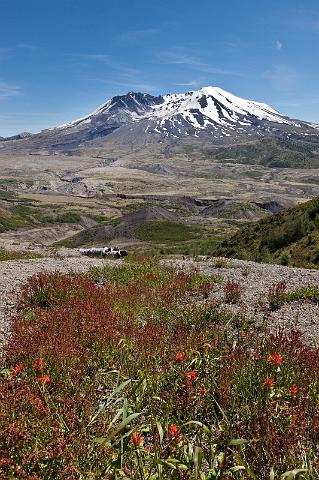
x=290 y=237
x=270 y=152
x=15 y=255
x=23 y=214
x=167 y=231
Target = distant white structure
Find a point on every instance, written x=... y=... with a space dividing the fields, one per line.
x=103 y=252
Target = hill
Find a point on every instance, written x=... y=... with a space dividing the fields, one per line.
x=290 y=237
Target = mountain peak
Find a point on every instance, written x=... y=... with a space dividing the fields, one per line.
x=210 y=113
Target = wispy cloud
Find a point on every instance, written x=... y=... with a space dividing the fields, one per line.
x=5 y=52
x=27 y=46
x=304 y=19
x=131 y=83
x=93 y=57
x=8 y=90
x=278 y=45
x=195 y=63
x=140 y=86
x=137 y=35
x=193 y=83
x=282 y=77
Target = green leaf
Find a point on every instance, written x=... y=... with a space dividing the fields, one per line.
x=291 y=474
x=237 y=441
x=201 y=425
x=160 y=432
x=236 y=469
x=127 y=420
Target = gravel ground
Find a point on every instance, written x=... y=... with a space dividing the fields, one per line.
x=256 y=279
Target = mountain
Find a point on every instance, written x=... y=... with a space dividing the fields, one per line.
x=209 y=114
x=290 y=237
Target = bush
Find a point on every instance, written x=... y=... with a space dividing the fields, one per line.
x=233 y=291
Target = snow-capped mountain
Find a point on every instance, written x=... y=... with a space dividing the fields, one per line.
x=210 y=113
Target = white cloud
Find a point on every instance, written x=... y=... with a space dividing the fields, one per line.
x=278 y=45
x=8 y=90
x=193 y=83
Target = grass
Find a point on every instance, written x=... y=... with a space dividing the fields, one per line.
x=131 y=372
x=168 y=232
x=25 y=215
x=15 y=255
x=191 y=247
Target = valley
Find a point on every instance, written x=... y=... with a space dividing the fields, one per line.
x=64 y=195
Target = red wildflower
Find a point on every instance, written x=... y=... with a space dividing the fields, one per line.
x=16 y=370
x=188 y=383
x=202 y=391
x=46 y=379
x=180 y=356
x=275 y=359
x=192 y=374
x=293 y=389
x=127 y=471
x=38 y=365
x=172 y=431
x=269 y=382
x=136 y=439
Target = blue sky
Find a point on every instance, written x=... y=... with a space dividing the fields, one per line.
x=60 y=59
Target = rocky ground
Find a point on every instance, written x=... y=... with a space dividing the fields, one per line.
x=255 y=280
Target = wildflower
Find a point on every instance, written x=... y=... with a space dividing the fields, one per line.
x=46 y=379
x=16 y=370
x=136 y=439
x=174 y=434
x=180 y=356
x=188 y=383
x=202 y=391
x=192 y=374
x=172 y=431
x=126 y=471
x=293 y=389
x=275 y=359
x=38 y=365
x=269 y=382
